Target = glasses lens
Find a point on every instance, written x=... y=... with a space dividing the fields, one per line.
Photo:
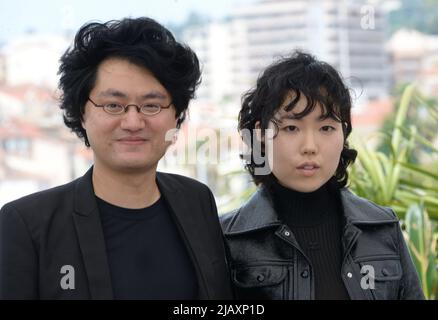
x=150 y=109
x=114 y=108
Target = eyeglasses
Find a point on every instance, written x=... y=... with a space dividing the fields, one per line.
x=148 y=109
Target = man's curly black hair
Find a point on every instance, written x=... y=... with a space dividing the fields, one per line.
x=141 y=41
x=302 y=75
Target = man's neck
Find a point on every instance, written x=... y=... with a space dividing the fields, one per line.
x=132 y=190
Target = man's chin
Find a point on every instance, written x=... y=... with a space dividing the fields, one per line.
x=135 y=166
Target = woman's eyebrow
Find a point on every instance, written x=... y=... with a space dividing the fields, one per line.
x=289 y=116
x=326 y=117
x=320 y=118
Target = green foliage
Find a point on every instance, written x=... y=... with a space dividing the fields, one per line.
x=409 y=187
x=421 y=15
x=422 y=115
x=393 y=179
x=422 y=243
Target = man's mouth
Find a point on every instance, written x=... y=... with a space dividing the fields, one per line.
x=132 y=140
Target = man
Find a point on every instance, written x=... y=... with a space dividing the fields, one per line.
x=123 y=230
x=303 y=235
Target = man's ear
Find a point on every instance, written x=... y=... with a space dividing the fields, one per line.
x=180 y=119
x=83 y=122
x=83 y=116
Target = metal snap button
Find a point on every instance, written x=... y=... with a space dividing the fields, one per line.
x=350 y=275
x=305 y=274
x=287 y=233
x=260 y=278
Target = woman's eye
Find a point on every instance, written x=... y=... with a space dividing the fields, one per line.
x=290 y=128
x=327 y=128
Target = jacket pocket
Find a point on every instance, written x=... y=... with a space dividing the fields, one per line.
x=260 y=282
x=383 y=276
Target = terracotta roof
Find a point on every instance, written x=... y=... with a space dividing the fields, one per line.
x=373 y=114
x=25 y=92
x=19 y=128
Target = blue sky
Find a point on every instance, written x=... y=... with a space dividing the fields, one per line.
x=51 y=16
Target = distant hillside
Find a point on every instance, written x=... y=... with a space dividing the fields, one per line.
x=416 y=14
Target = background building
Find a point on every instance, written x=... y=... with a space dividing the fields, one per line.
x=33 y=58
x=414 y=57
x=350 y=35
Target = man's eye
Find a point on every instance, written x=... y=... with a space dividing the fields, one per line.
x=114 y=106
x=151 y=106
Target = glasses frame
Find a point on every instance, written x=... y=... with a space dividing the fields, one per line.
x=126 y=107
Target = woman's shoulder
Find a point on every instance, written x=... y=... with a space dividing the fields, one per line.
x=360 y=209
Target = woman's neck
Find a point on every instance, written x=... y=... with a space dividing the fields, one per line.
x=305 y=208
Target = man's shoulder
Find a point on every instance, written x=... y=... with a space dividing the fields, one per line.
x=45 y=198
x=178 y=181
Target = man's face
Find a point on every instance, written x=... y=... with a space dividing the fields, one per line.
x=130 y=141
x=306 y=151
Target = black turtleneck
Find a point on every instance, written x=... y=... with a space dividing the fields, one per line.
x=316 y=220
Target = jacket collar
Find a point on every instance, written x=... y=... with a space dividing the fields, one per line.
x=91 y=239
x=187 y=223
x=258 y=212
x=84 y=198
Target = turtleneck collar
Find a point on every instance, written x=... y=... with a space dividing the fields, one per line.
x=303 y=209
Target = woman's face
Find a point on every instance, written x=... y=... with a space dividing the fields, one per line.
x=306 y=151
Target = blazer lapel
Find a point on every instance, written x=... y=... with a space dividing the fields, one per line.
x=187 y=221
x=91 y=239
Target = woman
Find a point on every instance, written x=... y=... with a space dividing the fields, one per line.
x=303 y=234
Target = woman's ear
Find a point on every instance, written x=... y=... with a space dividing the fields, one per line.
x=258 y=131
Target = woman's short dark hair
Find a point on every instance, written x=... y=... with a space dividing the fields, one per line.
x=302 y=75
x=141 y=41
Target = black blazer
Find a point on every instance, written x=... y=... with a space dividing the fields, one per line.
x=42 y=232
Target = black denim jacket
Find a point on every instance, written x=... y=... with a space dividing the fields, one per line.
x=266 y=261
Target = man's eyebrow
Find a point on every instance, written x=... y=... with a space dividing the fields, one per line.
x=154 y=95
x=120 y=94
x=113 y=93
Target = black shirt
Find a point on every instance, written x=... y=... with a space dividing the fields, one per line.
x=316 y=220
x=146 y=254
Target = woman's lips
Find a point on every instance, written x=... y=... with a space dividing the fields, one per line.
x=307 y=171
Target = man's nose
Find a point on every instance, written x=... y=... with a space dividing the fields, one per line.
x=132 y=119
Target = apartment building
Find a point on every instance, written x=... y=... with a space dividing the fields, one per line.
x=347 y=34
